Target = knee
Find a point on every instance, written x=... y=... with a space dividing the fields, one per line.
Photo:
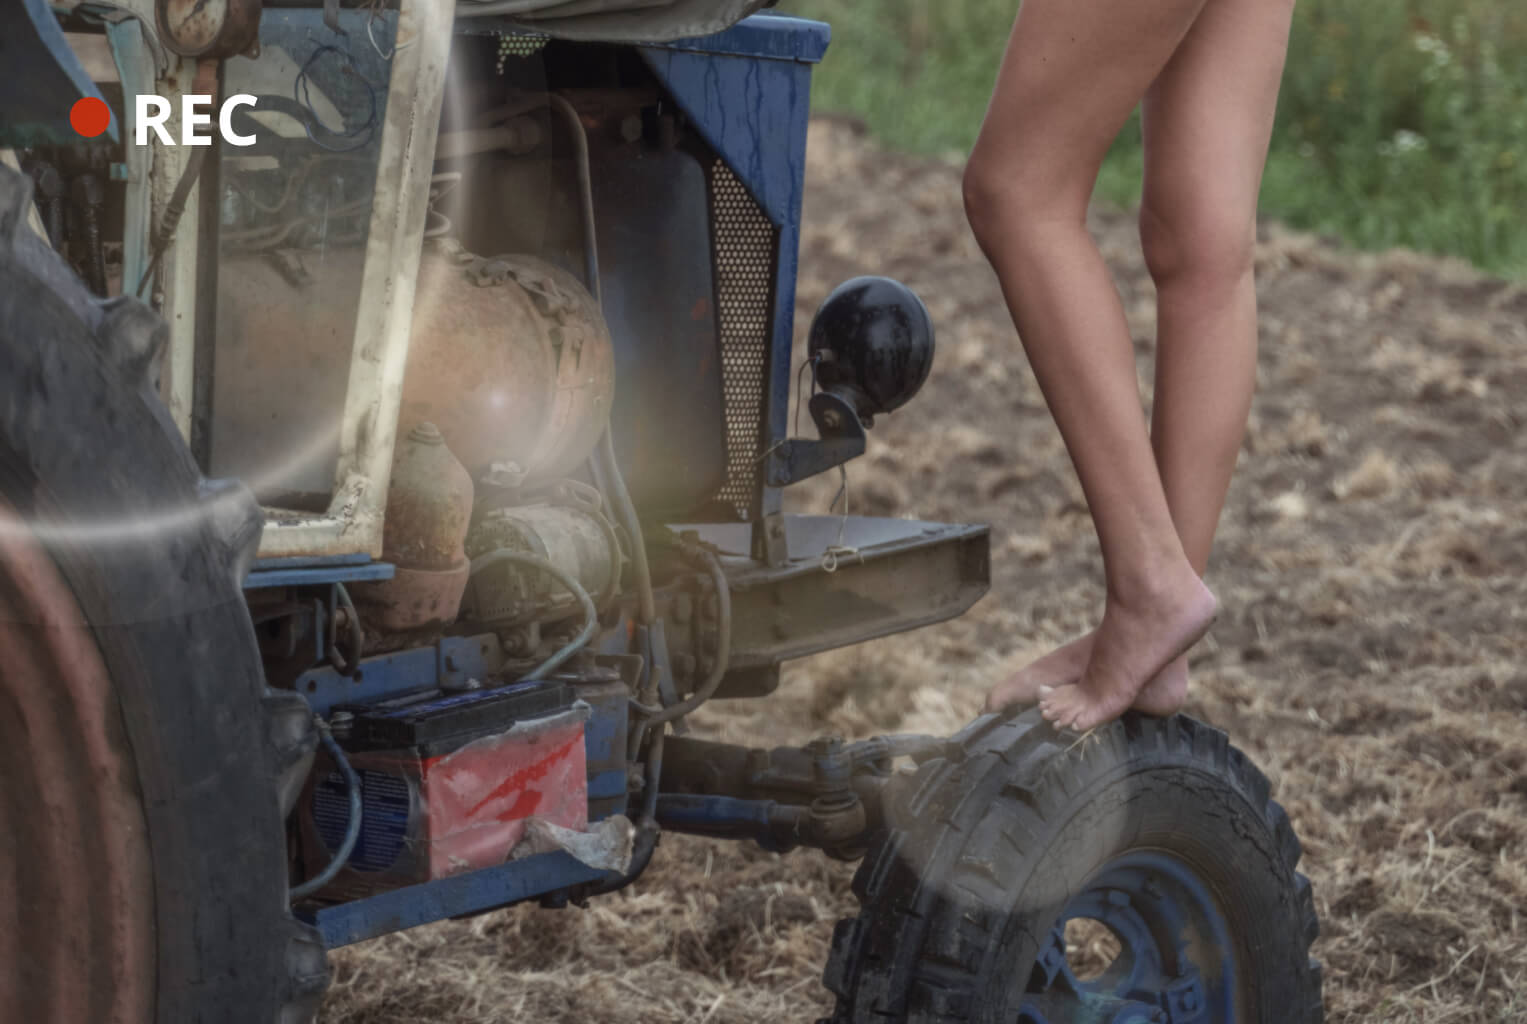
x=1009 y=201
x=1201 y=245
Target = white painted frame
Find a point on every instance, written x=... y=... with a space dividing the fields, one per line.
x=352 y=524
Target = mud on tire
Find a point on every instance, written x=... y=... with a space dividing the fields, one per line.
x=1018 y=828
x=107 y=511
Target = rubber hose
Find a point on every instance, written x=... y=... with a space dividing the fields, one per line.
x=352 y=829
x=590 y=613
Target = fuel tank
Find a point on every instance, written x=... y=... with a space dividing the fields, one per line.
x=509 y=358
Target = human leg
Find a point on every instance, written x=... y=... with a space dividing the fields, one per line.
x=1073 y=71
x=1208 y=118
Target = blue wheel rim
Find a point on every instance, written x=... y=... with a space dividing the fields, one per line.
x=1177 y=962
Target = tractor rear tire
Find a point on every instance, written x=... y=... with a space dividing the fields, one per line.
x=1159 y=830
x=145 y=769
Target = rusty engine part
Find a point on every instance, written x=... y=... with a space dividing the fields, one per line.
x=583 y=387
x=579 y=541
x=509 y=358
x=429 y=506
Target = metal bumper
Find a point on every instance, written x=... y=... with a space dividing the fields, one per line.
x=846 y=581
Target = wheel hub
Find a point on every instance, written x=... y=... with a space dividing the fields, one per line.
x=1176 y=964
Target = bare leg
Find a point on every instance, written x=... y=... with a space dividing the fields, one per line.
x=1208 y=118
x=1073 y=71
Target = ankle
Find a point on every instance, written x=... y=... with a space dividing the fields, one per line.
x=1165 y=576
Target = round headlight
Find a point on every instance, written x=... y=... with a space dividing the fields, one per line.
x=872 y=341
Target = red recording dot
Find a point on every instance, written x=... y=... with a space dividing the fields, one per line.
x=90 y=116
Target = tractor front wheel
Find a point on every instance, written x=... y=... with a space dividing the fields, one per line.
x=1154 y=839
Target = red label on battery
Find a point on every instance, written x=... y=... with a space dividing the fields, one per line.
x=476 y=799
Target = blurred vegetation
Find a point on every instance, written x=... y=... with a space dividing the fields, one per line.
x=1401 y=122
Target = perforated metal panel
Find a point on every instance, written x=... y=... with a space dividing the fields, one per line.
x=519 y=45
x=745 y=245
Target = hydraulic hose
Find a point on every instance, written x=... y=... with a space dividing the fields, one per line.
x=590 y=613
x=706 y=689
x=606 y=469
x=352 y=829
x=585 y=189
x=625 y=511
x=647 y=830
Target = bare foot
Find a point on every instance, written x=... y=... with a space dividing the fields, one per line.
x=1061 y=666
x=1162 y=697
x=1166 y=693
x=1140 y=635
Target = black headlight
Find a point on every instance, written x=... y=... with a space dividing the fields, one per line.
x=872 y=342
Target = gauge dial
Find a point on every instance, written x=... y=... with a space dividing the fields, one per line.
x=208 y=28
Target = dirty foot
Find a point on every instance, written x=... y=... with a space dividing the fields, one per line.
x=1162 y=697
x=1061 y=666
x=1137 y=639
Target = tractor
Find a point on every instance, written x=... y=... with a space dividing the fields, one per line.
x=395 y=411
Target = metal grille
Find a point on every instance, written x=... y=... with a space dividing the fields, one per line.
x=518 y=45
x=745 y=243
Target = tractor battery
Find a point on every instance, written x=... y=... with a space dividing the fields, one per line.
x=447 y=783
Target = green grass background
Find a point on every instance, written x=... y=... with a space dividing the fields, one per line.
x=1401 y=122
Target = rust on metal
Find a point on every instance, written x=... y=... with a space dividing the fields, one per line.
x=412 y=599
x=481 y=366
x=429 y=506
x=196 y=28
x=585 y=364
x=511 y=361
x=76 y=885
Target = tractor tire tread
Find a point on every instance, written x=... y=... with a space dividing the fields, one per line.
x=932 y=885
x=80 y=414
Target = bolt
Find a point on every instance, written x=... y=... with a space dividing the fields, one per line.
x=831 y=420
x=517 y=643
x=340 y=723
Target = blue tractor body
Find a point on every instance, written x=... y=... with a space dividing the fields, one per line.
x=697 y=269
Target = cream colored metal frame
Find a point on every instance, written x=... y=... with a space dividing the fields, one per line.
x=353 y=522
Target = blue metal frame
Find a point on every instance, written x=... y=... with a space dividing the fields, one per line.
x=301 y=572
x=748 y=92
x=454 y=659
x=474 y=892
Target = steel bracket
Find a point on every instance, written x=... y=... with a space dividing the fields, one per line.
x=841 y=438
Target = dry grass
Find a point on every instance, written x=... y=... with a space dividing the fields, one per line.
x=1373 y=571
